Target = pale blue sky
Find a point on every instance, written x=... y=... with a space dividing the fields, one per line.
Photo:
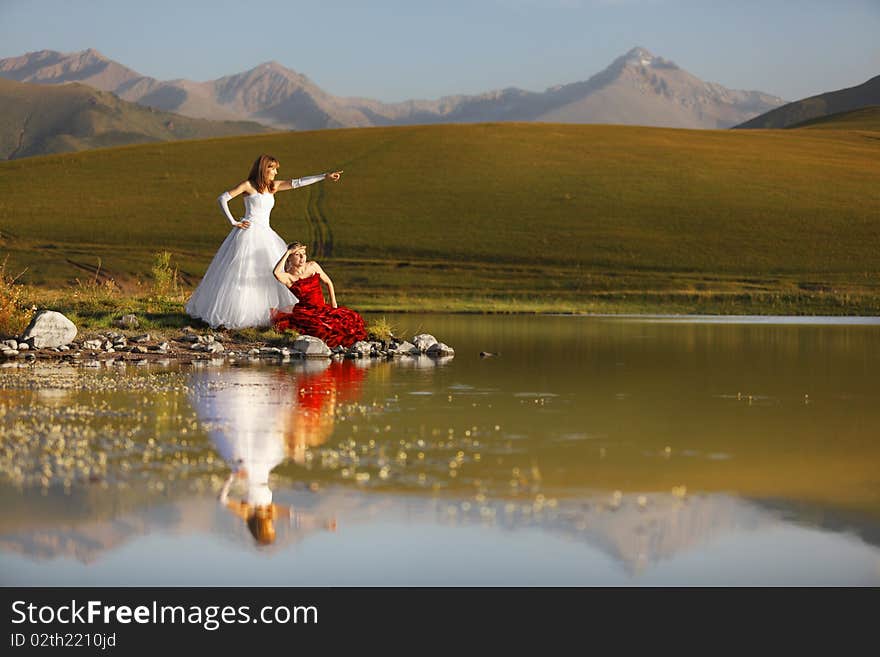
x=401 y=49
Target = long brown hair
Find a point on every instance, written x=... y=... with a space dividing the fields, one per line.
x=258 y=175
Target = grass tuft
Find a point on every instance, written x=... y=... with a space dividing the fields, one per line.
x=166 y=278
x=381 y=329
x=15 y=311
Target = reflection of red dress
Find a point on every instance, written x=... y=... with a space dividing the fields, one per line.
x=313 y=316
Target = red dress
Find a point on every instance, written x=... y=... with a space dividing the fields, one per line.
x=313 y=316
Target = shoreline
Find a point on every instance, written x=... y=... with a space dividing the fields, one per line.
x=190 y=345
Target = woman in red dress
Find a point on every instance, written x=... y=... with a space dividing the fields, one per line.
x=335 y=325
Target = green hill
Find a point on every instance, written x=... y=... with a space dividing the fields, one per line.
x=506 y=216
x=41 y=119
x=867 y=118
x=833 y=102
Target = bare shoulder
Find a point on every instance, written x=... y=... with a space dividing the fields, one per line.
x=244 y=187
x=314 y=267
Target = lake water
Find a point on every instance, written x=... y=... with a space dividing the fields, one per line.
x=588 y=451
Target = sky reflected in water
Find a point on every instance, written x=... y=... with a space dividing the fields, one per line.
x=587 y=451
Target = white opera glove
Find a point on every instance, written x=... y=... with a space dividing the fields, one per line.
x=307 y=180
x=223 y=200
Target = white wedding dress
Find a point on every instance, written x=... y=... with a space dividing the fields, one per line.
x=239 y=288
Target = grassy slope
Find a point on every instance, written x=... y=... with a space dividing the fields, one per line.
x=832 y=102
x=497 y=216
x=41 y=119
x=866 y=118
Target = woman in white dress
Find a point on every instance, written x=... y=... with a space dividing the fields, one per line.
x=238 y=289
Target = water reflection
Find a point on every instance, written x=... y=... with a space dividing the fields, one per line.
x=635 y=451
x=321 y=391
x=257 y=420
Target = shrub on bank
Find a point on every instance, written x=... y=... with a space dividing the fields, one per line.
x=15 y=311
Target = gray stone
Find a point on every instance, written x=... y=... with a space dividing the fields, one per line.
x=9 y=353
x=128 y=321
x=423 y=341
x=440 y=349
x=139 y=350
x=361 y=348
x=405 y=349
x=189 y=337
x=49 y=329
x=215 y=348
x=308 y=345
x=145 y=337
x=198 y=347
x=206 y=339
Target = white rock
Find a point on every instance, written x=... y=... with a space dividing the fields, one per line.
x=215 y=348
x=423 y=341
x=49 y=329
x=91 y=344
x=310 y=346
x=405 y=349
x=9 y=344
x=23 y=346
x=361 y=348
x=440 y=349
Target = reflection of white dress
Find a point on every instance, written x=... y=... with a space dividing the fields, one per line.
x=238 y=289
x=247 y=412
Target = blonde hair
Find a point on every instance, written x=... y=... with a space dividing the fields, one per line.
x=259 y=175
x=296 y=246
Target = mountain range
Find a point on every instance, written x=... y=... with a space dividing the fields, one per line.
x=637 y=88
x=37 y=120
